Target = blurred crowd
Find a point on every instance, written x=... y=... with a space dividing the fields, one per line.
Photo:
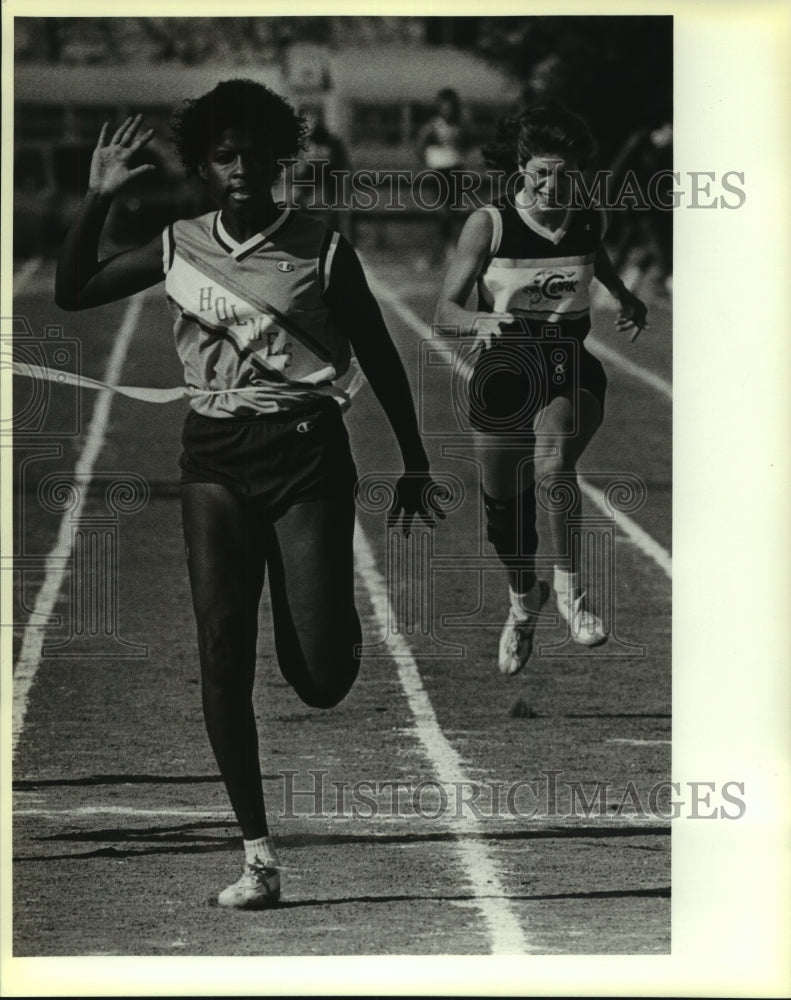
x=192 y=41
x=578 y=61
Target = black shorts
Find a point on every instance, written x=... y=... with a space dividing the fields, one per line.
x=514 y=379
x=283 y=458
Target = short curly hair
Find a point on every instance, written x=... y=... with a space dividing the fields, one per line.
x=543 y=129
x=236 y=104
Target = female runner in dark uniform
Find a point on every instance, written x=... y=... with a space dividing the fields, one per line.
x=536 y=394
x=267 y=306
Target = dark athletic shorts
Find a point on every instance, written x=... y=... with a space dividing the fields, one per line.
x=517 y=377
x=283 y=458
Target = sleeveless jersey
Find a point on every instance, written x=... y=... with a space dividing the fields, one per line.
x=539 y=275
x=252 y=316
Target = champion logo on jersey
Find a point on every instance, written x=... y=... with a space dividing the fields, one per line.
x=285 y=265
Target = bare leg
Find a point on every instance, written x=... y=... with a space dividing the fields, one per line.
x=311 y=578
x=554 y=426
x=559 y=470
x=226 y=559
x=507 y=480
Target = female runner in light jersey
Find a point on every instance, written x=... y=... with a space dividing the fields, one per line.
x=530 y=380
x=267 y=305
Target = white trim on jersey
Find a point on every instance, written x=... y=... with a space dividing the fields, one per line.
x=553 y=235
x=536 y=263
x=167 y=249
x=497 y=228
x=240 y=248
x=329 y=258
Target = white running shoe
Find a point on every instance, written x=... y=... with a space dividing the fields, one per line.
x=257 y=889
x=587 y=628
x=516 y=640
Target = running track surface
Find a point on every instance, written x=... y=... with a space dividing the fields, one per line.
x=524 y=820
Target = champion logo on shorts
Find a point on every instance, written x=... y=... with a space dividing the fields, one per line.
x=304 y=427
x=285 y=265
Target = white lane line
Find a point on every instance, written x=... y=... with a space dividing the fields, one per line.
x=409 y=316
x=639 y=742
x=601 y=298
x=25 y=273
x=630 y=277
x=30 y=654
x=502 y=925
x=545 y=825
x=223 y=817
x=617 y=360
x=644 y=542
x=636 y=535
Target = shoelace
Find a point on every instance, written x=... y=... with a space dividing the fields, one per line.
x=520 y=633
x=260 y=869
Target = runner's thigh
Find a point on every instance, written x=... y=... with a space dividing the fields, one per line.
x=311 y=577
x=224 y=536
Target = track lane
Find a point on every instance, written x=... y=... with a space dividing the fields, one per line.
x=576 y=704
x=141 y=738
x=342 y=869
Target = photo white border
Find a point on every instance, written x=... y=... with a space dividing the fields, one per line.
x=732 y=368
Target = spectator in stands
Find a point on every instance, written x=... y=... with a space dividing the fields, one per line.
x=441 y=142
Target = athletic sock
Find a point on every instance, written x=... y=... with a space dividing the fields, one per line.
x=525 y=605
x=261 y=850
x=567 y=585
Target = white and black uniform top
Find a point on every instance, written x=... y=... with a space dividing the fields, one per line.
x=543 y=279
x=540 y=275
x=253 y=315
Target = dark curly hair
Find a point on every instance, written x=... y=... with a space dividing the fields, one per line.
x=545 y=129
x=238 y=104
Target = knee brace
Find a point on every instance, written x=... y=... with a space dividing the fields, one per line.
x=511 y=524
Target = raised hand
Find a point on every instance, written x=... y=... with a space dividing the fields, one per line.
x=110 y=169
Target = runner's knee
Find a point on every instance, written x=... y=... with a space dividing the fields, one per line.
x=511 y=524
x=327 y=692
x=563 y=460
x=322 y=673
x=226 y=643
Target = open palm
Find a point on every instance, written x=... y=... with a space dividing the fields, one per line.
x=110 y=168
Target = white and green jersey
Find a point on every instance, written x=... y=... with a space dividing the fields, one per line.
x=252 y=326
